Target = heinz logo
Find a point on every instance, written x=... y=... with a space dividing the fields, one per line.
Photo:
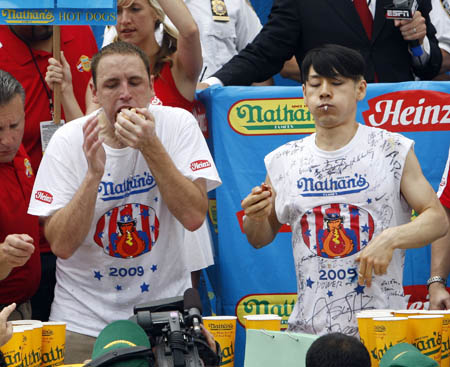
x=197 y=165
x=44 y=196
x=411 y=110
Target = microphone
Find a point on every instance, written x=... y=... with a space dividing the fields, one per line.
x=193 y=309
x=405 y=9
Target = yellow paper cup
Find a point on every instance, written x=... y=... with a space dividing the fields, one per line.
x=223 y=328
x=426 y=334
x=12 y=350
x=266 y=322
x=366 y=334
x=53 y=343
x=33 y=357
x=389 y=331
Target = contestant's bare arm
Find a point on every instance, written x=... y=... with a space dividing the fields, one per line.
x=440 y=266
x=260 y=222
x=429 y=225
x=188 y=57
x=186 y=199
x=66 y=229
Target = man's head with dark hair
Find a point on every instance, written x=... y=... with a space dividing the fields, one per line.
x=332 y=60
x=118 y=48
x=337 y=350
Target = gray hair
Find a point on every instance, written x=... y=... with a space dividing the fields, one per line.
x=9 y=88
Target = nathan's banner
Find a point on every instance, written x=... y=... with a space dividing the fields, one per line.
x=58 y=12
x=246 y=123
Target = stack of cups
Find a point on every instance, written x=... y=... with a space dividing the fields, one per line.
x=31 y=352
x=366 y=327
x=223 y=328
x=428 y=331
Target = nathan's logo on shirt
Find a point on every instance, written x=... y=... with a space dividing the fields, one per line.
x=410 y=110
x=28 y=169
x=271 y=117
x=127 y=231
x=198 y=165
x=332 y=186
x=132 y=185
x=84 y=63
x=336 y=230
x=44 y=196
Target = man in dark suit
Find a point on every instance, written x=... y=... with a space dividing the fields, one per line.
x=296 y=26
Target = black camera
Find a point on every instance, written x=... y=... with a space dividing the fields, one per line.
x=173 y=329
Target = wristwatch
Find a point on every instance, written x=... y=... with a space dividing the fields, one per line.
x=436 y=279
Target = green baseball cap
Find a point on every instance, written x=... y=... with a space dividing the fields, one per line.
x=122 y=334
x=406 y=355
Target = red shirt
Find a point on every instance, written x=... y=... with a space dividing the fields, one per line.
x=167 y=91
x=17 y=180
x=78 y=44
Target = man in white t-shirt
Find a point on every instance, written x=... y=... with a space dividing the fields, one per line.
x=116 y=189
x=347 y=192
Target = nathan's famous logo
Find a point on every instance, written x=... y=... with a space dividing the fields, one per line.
x=132 y=185
x=271 y=117
x=336 y=230
x=34 y=16
x=127 y=231
x=84 y=63
x=410 y=110
x=332 y=186
x=280 y=304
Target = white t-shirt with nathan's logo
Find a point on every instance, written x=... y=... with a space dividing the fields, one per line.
x=134 y=250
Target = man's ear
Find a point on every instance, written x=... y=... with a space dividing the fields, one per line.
x=304 y=94
x=361 y=88
x=94 y=91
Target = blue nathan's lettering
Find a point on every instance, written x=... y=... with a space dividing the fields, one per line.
x=130 y=186
x=332 y=186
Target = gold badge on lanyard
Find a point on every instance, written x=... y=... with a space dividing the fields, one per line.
x=219 y=11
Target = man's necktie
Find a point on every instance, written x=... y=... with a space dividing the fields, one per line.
x=366 y=16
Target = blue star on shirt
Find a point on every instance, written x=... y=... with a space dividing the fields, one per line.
x=369 y=201
x=136 y=205
x=144 y=213
x=365 y=228
x=360 y=289
x=156 y=199
x=307 y=233
x=329 y=293
x=118 y=287
x=152 y=228
x=309 y=282
x=154 y=268
x=354 y=212
x=364 y=243
x=98 y=275
x=100 y=234
x=144 y=287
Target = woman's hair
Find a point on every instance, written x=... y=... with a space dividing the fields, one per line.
x=169 y=39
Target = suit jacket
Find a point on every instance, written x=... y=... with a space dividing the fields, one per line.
x=296 y=26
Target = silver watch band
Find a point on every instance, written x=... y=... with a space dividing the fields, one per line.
x=436 y=279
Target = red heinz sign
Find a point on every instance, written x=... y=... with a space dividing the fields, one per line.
x=409 y=111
